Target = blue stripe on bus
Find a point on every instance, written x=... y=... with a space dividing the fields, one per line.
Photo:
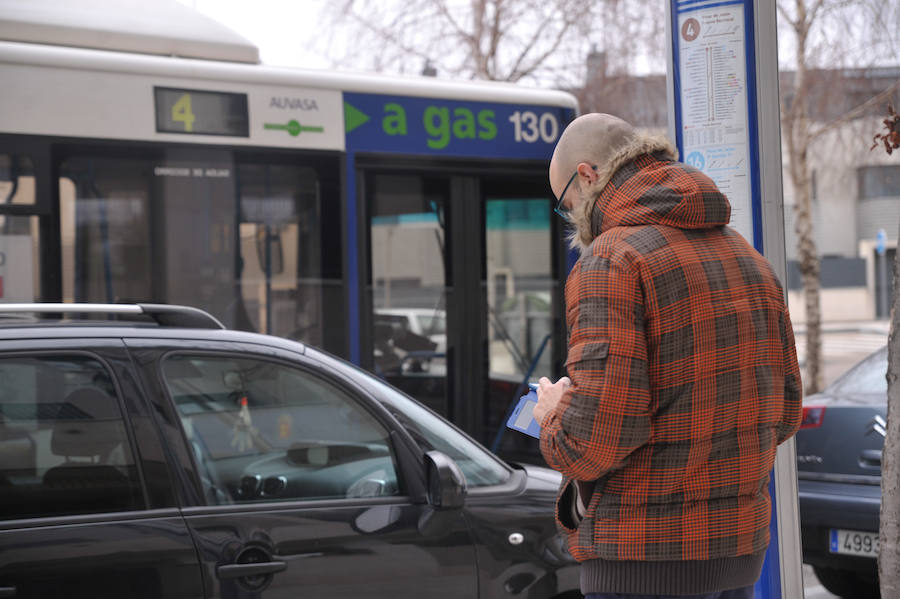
x=352 y=245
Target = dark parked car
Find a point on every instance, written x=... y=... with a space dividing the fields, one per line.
x=839 y=469
x=171 y=458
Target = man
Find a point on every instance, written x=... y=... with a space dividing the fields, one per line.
x=683 y=375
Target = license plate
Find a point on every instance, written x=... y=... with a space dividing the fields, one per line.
x=854 y=542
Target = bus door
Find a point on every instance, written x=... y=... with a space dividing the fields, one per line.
x=462 y=291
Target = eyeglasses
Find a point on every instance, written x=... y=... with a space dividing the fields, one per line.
x=560 y=209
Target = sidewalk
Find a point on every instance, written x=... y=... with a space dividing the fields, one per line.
x=850 y=326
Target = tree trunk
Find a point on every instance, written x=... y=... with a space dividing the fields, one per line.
x=808 y=258
x=795 y=124
x=889 y=557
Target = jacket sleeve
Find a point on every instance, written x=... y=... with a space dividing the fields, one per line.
x=604 y=416
x=792 y=407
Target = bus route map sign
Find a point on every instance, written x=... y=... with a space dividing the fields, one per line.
x=714 y=128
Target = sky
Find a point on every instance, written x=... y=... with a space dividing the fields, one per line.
x=283 y=30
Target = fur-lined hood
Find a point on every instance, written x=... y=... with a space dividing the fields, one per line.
x=642 y=184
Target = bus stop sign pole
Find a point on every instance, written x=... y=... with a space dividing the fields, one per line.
x=722 y=88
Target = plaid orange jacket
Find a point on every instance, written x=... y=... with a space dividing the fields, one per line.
x=684 y=376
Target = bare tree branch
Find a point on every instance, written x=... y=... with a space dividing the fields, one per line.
x=496 y=34
x=784 y=15
x=515 y=73
x=511 y=40
x=457 y=28
x=813 y=12
x=856 y=112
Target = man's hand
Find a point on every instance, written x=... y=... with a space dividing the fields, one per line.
x=549 y=395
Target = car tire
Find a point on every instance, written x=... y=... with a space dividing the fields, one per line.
x=847 y=584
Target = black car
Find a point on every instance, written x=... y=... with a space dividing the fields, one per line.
x=839 y=470
x=172 y=458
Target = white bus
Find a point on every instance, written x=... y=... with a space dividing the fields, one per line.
x=150 y=157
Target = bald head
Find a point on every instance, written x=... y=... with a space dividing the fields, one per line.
x=589 y=152
x=594 y=138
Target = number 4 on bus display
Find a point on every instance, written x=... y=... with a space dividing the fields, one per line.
x=182 y=113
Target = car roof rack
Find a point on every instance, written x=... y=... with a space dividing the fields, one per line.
x=164 y=314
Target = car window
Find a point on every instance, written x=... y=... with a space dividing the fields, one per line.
x=63 y=445
x=480 y=467
x=433 y=324
x=262 y=431
x=869 y=376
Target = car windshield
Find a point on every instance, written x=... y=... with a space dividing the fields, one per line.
x=430 y=431
x=866 y=377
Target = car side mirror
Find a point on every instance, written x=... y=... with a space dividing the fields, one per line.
x=446 y=482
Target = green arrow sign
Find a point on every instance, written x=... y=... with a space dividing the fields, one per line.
x=353 y=117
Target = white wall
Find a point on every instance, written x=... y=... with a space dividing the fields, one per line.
x=838 y=304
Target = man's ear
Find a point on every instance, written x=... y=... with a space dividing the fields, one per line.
x=586 y=171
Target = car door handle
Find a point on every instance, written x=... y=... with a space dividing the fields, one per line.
x=242 y=570
x=7 y=591
x=870 y=458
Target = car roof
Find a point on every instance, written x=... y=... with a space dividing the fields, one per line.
x=111 y=329
x=405 y=311
x=155 y=321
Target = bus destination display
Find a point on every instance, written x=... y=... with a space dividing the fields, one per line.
x=199 y=112
x=449 y=127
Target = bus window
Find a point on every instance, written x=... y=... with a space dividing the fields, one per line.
x=20 y=265
x=238 y=237
x=520 y=286
x=20 y=270
x=16 y=179
x=105 y=224
x=409 y=284
x=283 y=281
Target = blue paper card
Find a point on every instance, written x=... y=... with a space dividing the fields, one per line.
x=522 y=418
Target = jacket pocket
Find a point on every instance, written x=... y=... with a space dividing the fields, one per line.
x=573 y=493
x=565 y=507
